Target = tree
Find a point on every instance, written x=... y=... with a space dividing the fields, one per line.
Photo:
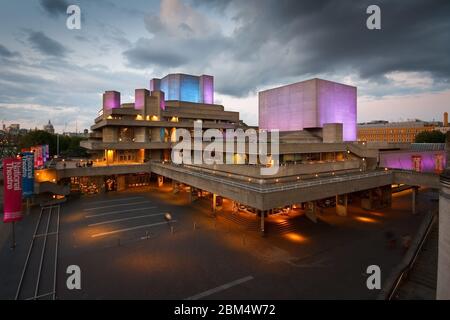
x=430 y=137
x=68 y=146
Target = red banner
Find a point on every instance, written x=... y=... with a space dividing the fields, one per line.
x=12 y=195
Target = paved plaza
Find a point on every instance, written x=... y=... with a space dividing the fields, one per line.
x=125 y=248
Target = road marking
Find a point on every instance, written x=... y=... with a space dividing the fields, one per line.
x=220 y=288
x=115 y=200
x=125 y=219
x=114 y=212
x=129 y=229
x=117 y=205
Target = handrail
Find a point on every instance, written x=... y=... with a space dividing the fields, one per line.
x=289 y=186
x=404 y=272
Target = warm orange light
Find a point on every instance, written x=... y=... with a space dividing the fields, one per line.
x=365 y=219
x=295 y=237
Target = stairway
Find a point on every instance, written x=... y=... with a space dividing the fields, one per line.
x=421 y=281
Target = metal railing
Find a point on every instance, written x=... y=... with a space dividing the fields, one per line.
x=405 y=271
x=267 y=189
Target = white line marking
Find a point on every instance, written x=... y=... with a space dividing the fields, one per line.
x=114 y=212
x=116 y=205
x=125 y=219
x=114 y=200
x=129 y=229
x=220 y=288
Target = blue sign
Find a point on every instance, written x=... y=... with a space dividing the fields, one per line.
x=27 y=174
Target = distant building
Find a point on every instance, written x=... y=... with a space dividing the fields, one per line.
x=384 y=131
x=49 y=128
x=13 y=129
x=83 y=134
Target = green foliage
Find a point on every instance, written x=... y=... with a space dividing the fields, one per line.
x=430 y=137
x=68 y=146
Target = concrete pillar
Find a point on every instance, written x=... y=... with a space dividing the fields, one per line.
x=443 y=272
x=214 y=203
x=121 y=182
x=310 y=211
x=341 y=205
x=160 y=181
x=175 y=187
x=414 y=200
x=263 y=230
x=386 y=196
x=367 y=202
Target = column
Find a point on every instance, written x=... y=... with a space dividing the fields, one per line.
x=443 y=272
x=214 y=203
x=263 y=230
x=175 y=187
x=310 y=211
x=386 y=196
x=160 y=181
x=341 y=205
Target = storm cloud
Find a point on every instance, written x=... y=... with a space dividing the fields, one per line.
x=46 y=45
x=6 y=53
x=289 y=39
x=54 y=7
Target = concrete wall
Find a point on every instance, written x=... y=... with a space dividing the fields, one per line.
x=110 y=134
x=332 y=133
x=309 y=104
x=443 y=279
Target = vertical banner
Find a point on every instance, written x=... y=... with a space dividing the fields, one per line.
x=38 y=157
x=27 y=174
x=45 y=152
x=12 y=175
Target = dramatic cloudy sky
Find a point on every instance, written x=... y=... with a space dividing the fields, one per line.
x=50 y=72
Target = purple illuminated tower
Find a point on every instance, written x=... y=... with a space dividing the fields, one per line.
x=309 y=104
x=207 y=89
x=139 y=98
x=111 y=100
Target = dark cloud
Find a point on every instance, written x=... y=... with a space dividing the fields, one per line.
x=54 y=7
x=6 y=53
x=277 y=40
x=46 y=45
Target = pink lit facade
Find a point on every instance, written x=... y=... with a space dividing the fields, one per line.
x=421 y=161
x=309 y=104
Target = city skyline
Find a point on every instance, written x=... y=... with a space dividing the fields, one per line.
x=46 y=67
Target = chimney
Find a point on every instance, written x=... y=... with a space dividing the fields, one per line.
x=445 y=119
